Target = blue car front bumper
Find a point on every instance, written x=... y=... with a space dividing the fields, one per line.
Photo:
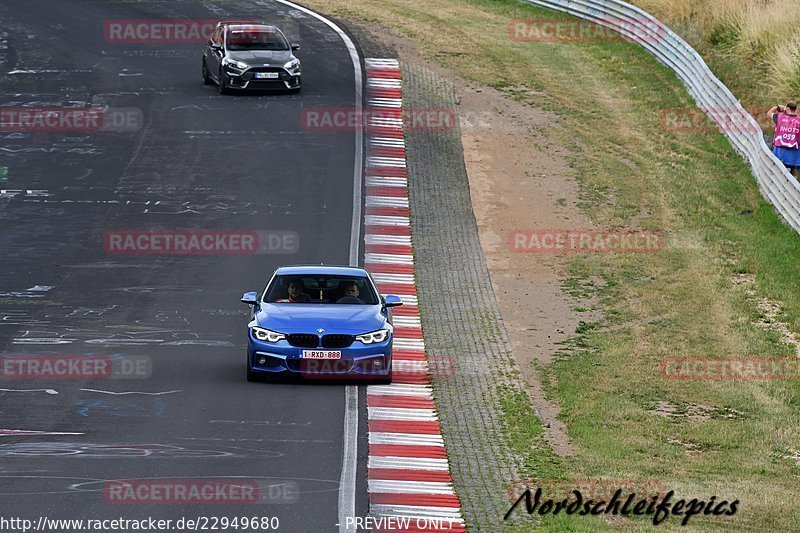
x=281 y=358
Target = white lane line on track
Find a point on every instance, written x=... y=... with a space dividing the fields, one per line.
x=347 y=481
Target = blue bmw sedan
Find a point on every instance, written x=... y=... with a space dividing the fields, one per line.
x=318 y=322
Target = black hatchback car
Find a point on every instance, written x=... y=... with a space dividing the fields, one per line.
x=244 y=55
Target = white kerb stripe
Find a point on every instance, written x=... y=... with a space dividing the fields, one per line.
x=403 y=259
x=386 y=201
x=408 y=439
x=414 y=367
x=408 y=463
x=383 y=83
x=377 y=120
x=393 y=486
x=386 y=181
x=385 y=220
x=409 y=344
x=406 y=322
x=401 y=389
x=377 y=238
x=408 y=300
x=381 y=62
x=453 y=513
x=397 y=413
x=395 y=162
x=402 y=279
x=387 y=141
x=394 y=103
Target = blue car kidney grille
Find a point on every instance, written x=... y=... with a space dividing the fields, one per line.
x=303 y=340
x=337 y=341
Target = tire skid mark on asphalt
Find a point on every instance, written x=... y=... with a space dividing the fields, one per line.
x=27 y=432
x=46 y=391
x=408 y=470
x=131 y=392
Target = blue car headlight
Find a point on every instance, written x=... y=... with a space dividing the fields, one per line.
x=374 y=336
x=267 y=335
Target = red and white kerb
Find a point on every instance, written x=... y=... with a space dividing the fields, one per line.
x=408 y=470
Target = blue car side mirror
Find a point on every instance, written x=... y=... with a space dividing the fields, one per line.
x=250 y=298
x=391 y=300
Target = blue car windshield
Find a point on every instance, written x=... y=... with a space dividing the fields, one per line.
x=327 y=289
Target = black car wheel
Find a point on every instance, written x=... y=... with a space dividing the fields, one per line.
x=206 y=78
x=223 y=82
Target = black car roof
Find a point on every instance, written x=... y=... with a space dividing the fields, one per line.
x=232 y=24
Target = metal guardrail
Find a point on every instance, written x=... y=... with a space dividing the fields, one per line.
x=777 y=185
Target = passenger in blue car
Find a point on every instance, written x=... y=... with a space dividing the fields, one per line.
x=295 y=293
x=350 y=291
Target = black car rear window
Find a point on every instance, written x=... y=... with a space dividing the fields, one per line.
x=322 y=290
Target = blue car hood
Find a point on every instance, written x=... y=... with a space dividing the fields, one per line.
x=333 y=318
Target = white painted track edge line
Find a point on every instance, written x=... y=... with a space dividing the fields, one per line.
x=347 y=480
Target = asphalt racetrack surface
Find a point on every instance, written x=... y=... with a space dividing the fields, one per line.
x=176 y=405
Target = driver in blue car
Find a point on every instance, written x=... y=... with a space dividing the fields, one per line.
x=350 y=291
x=295 y=293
